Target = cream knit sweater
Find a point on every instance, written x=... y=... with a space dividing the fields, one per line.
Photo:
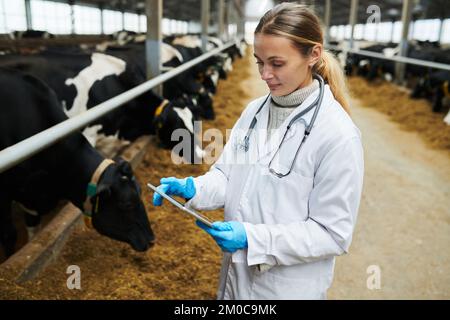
x=281 y=107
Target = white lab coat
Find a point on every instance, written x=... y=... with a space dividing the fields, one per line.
x=298 y=224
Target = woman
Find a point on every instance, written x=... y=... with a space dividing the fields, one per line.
x=291 y=207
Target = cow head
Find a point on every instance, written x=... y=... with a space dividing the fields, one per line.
x=211 y=79
x=118 y=209
x=173 y=117
x=206 y=104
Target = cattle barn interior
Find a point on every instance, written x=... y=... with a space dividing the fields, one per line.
x=96 y=94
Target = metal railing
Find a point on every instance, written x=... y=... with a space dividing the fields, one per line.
x=11 y=156
x=418 y=62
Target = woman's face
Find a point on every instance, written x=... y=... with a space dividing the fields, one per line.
x=281 y=65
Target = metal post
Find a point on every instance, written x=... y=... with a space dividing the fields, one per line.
x=406 y=18
x=221 y=13
x=5 y=22
x=240 y=23
x=123 y=19
x=327 y=19
x=139 y=21
x=377 y=26
x=28 y=15
x=102 y=29
x=227 y=21
x=72 y=17
x=441 y=30
x=353 y=17
x=231 y=18
x=412 y=26
x=392 y=30
x=153 y=11
x=205 y=23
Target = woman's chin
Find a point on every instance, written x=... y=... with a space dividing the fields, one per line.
x=277 y=92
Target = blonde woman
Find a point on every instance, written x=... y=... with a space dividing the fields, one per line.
x=291 y=208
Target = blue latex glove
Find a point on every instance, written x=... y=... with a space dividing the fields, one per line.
x=230 y=236
x=180 y=187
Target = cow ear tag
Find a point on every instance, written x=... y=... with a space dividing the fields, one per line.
x=91 y=189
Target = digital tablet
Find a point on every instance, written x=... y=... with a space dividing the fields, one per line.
x=177 y=204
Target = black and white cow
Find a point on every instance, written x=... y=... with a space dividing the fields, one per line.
x=64 y=170
x=185 y=84
x=83 y=80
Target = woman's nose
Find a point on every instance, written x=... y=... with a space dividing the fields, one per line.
x=266 y=74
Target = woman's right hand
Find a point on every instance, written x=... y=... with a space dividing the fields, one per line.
x=172 y=186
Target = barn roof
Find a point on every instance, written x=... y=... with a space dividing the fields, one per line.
x=189 y=10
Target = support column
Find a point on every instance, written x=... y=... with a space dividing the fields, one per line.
x=28 y=15
x=406 y=19
x=205 y=23
x=441 y=30
x=231 y=17
x=392 y=30
x=326 y=21
x=123 y=19
x=72 y=17
x=353 y=17
x=139 y=21
x=153 y=42
x=240 y=25
x=221 y=13
x=102 y=17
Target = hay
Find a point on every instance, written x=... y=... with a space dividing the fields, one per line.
x=413 y=115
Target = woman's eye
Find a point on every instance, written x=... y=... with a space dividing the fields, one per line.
x=259 y=63
x=277 y=64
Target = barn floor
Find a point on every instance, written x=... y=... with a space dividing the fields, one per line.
x=403 y=225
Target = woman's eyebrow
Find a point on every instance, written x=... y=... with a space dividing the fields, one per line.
x=270 y=58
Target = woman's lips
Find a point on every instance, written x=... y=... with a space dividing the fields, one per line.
x=273 y=86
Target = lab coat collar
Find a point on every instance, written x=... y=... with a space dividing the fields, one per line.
x=298 y=128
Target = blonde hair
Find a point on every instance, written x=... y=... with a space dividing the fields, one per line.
x=300 y=25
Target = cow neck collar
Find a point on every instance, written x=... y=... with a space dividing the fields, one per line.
x=161 y=107
x=92 y=192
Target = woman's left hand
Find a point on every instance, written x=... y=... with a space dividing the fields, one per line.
x=230 y=235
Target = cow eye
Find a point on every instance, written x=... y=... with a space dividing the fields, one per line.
x=127 y=206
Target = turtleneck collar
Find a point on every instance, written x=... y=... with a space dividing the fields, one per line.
x=297 y=97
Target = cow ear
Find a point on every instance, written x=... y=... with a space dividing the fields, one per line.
x=125 y=169
x=118 y=160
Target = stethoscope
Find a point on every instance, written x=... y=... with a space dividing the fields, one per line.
x=316 y=103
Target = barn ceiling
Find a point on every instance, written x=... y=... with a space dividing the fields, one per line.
x=389 y=9
x=189 y=10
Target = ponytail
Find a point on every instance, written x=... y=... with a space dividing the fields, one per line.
x=330 y=70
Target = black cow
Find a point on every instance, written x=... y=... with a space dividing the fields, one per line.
x=431 y=84
x=64 y=169
x=31 y=34
x=434 y=87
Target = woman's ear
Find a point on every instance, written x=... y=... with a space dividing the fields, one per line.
x=315 y=55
